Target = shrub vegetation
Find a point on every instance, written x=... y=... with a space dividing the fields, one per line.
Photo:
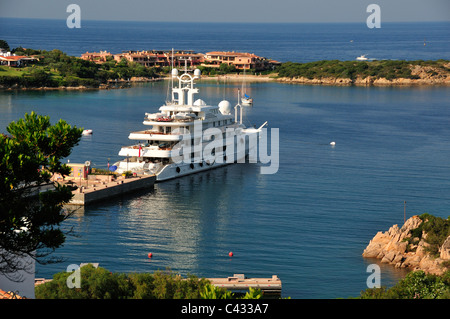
x=99 y=283
x=389 y=69
x=437 y=230
x=55 y=68
x=415 y=285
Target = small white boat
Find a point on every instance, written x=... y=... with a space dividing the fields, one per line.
x=87 y=132
x=362 y=58
x=246 y=100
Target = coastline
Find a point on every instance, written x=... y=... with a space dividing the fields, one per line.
x=111 y=85
x=393 y=247
x=424 y=79
x=369 y=81
x=441 y=80
x=239 y=78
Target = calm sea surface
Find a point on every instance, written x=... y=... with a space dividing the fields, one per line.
x=301 y=42
x=309 y=222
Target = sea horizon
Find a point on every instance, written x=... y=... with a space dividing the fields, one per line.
x=305 y=42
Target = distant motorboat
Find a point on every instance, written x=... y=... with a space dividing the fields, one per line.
x=87 y=132
x=362 y=58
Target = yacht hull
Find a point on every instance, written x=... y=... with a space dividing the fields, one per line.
x=176 y=170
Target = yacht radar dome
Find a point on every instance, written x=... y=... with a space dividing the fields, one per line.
x=197 y=73
x=199 y=102
x=174 y=72
x=225 y=107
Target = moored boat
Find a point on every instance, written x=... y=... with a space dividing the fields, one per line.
x=187 y=136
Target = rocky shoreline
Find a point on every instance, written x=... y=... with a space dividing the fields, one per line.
x=369 y=81
x=392 y=248
x=426 y=76
x=422 y=76
x=119 y=84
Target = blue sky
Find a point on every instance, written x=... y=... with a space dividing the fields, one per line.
x=231 y=10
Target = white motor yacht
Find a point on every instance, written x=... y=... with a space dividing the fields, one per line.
x=187 y=136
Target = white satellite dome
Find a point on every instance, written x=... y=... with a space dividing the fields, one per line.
x=174 y=72
x=199 y=102
x=197 y=73
x=225 y=107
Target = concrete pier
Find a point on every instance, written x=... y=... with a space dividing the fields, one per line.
x=90 y=191
x=239 y=283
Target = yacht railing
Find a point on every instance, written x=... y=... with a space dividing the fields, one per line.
x=149 y=147
x=157 y=133
x=172 y=120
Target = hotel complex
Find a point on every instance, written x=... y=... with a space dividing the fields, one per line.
x=154 y=58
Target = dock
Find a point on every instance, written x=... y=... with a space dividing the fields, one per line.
x=239 y=283
x=94 y=189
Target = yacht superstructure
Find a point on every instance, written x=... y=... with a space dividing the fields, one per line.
x=187 y=135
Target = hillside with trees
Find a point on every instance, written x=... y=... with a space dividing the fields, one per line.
x=367 y=72
x=57 y=69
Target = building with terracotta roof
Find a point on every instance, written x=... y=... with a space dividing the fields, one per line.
x=148 y=58
x=145 y=58
x=15 y=60
x=97 y=57
x=163 y=58
x=241 y=60
x=155 y=58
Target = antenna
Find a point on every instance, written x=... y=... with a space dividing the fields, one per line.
x=236 y=107
x=171 y=68
x=170 y=85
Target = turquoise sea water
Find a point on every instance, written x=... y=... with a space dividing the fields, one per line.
x=309 y=222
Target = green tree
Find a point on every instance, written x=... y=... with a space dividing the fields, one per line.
x=96 y=283
x=437 y=230
x=214 y=292
x=38 y=77
x=225 y=68
x=29 y=156
x=4 y=45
